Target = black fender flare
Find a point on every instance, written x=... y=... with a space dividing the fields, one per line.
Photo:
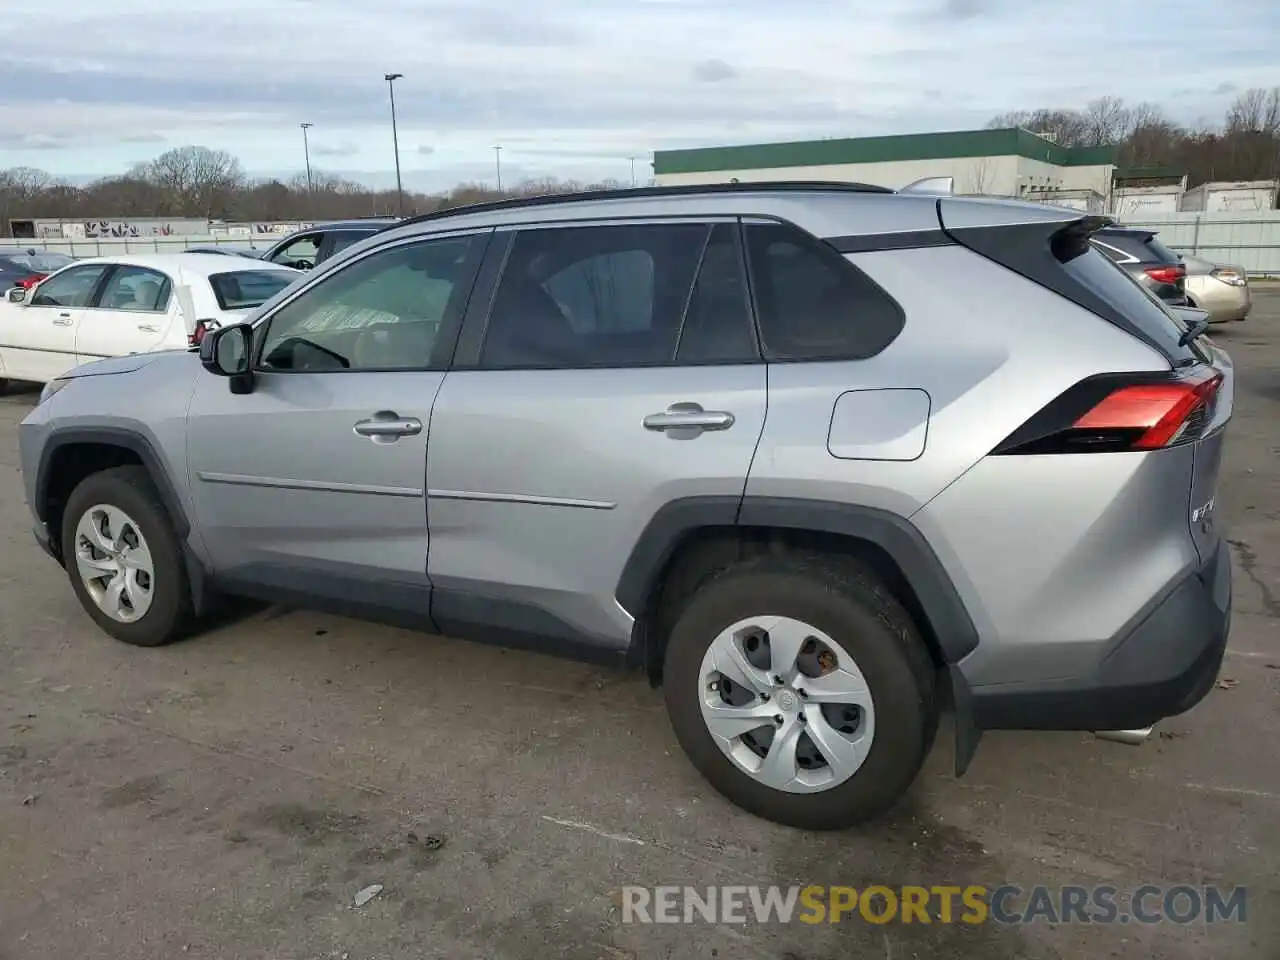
x=897 y=536
x=127 y=439
x=203 y=591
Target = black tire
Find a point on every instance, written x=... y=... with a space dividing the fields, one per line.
x=853 y=607
x=4 y=386
x=131 y=490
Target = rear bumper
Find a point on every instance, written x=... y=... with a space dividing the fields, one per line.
x=1162 y=667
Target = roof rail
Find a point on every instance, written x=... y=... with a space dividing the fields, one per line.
x=628 y=193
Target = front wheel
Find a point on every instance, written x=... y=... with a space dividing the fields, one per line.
x=801 y=690
x=124 y=559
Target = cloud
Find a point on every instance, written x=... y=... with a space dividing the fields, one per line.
x=425 y=151
x=335 y=150
x=711 y=71
x=565 y=79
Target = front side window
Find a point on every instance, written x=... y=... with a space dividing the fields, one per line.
x=244 y=289
x=341 y=239
x=137 y=290
x=72 y=287
x=595 y=296
x=812 y=303
x=382 y=312
x=300 y=252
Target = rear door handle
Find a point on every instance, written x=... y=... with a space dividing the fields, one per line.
x=387 y=426
x=63 y=320
x=148 y=327
x=684 y=421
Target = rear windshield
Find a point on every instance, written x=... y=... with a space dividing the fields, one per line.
x=245 y=289
x=1145 y=310
x=1146 y=248
x=1160 y=252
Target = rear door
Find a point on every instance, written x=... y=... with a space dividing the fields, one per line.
x=130 y=314
x=38 y=337
x=615 y=372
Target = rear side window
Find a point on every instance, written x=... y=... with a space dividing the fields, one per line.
x=1146 y=247
x=244 y=289
x=811 y=303
x=1144 y=310
x=1160 y=252
x=621 y=296
x=341 y=239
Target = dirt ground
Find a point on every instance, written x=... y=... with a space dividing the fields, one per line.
x=228 y=797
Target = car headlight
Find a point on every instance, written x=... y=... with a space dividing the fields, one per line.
x=52 y=387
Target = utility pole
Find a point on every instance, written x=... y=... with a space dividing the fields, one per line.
x=633 y=170
x=306 y=152
x=497 y=155
x=391 y=78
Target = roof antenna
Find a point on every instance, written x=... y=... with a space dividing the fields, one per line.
x=931 y=186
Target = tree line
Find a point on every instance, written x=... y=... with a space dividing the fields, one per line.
x=199 y=182
x=1245 y=145
x=196 y=182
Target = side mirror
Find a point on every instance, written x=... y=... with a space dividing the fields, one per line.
x=228 y=352
x=16 y=295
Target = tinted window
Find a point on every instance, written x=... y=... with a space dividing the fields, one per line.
x=382 y=312
x=593 y=296
x=812 y=303
x=38 y=262
x=1111 y=253
x=1160 y=252
x=718 y=327
x=1147 y=248
x=137 y=290
x=248 y=288
x=1143 y=309
x=341 y=239
x=72 y=287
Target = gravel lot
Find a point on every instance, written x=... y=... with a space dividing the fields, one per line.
x=227 y=797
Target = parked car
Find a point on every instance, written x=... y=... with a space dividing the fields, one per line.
x=113 y=306
x=226 y=249
x=1147 y=260
x=306 y=248
x=1222 y=292
x=26 y=268
x=709 y=432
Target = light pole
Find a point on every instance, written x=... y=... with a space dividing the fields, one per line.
x=497 y=158
x=306 y=152
x=391 y=78
x=633 y=170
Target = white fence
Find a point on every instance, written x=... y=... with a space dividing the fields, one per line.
x=109 y=246
x=1248 y=240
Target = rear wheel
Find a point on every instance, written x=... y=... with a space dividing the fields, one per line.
x=124 y=559
x=801 y=690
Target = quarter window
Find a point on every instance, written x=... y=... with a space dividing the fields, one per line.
x=71 y=288
x=137 y=290
x=619 y=296
x=812 y=303
x=382 y=312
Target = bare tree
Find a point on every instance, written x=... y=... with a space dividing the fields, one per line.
x=196 y=181
x=1106 y=122
x=978 y=179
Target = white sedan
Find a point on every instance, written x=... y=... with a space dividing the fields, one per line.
x=115 y=306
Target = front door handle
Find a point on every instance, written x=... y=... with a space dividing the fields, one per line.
x=387 y=426
x=62 y=320
x=148 y=328
x=684 y=421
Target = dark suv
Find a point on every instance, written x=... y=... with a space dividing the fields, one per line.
x=304 y=249
x=1147 y=260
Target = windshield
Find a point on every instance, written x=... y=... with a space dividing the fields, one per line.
x=245 y=289
x=41 y=261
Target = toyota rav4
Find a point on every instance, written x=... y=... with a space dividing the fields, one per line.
x=820 y=459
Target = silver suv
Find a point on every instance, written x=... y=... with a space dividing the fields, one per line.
x=819 y=459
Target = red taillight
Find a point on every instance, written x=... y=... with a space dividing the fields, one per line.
x=1170 y=275
x=1159 y=410
x=26 y=283
x=1113 y=413
x=202 y=328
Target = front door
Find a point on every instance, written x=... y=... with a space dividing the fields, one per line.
x=618 y=372
x=312 y=484
x=38 y=338
x=130 y=315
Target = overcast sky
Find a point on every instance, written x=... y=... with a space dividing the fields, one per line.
x=573 y=88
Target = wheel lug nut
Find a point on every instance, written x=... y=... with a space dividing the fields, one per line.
x=764 y=697
x=803 y=695
x=777 y=679
x=778 y=719
x=802 y=718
